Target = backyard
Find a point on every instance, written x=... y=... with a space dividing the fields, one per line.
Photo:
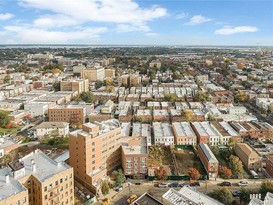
x=186 y=158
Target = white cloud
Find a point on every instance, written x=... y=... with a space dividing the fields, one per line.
x=151 y=34
x=108 y=11
x=181 y=15
x=198 y=19
x=6 y=16
x=228 y=30
x=50 y=21
x=27 y=34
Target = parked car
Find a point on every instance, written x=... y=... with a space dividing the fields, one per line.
x=118 y=188
x=195 y=184
x=236 y=193
x=174 y=184
x=163 y=185
x=243 y=183
x=225 y=183
x=132 y=198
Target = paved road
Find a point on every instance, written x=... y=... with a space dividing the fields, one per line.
x=122 y=196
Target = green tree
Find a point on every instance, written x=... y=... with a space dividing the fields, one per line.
x=4 y=118
x=267 y=186
x=119 y=177
x=56 y=86
x=105 y=187
x=201 y=97
x=245 y=195
x=87 y=97
x=98 y=84
x=241 y=97
x=223 y=195
x=188 y=114
x=236 y=166
x=6 y=79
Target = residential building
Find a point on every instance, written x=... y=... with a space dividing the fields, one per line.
x=111 y=72
x=208 y=160
x=225 y=131
x=142 y=130
x=268 y=200
x=72 y=114
x=269 y=165
x=250 y=158
x=94 y=73
x=134 y=158
x=183 y=133
x=6 y=146
x=146 y=199
x=163 y=134
x=36 y=179
x=205 y=133
x=18 y=116
x=95 y=152
x=74 y=84
x=187 y=196
x=52 y=128
x=37 y=108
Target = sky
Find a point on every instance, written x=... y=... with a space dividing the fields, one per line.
x=137 y=22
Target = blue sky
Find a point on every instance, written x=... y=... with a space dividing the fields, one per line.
x=140 y=22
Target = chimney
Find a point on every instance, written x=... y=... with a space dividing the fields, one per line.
x=34 y=167
x=7 y=178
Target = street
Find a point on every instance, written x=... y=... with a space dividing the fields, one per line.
x=121 y=197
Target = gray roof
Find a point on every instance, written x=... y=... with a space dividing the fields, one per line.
x=208 y=153
x=52 y=125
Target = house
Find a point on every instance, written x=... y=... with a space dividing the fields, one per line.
x=6 y=146
x=184 y=134
x=163 y=134
x=49 y=128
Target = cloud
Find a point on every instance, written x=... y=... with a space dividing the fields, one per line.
x=27 y=34
x=181 y=15
x=228 y=30
x=198 y=19
x=6 y=16
x=151 y=34
x=123 y=12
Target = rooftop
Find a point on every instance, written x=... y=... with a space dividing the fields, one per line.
x=147 y=199
x=52 y=125
x=208 y=153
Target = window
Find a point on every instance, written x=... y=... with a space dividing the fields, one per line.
x=56 y=183
x=45 y=189
x=61 y=180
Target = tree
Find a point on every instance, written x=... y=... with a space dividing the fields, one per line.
x=211 y=117
x=105 y=187
x=241 y=97
x=193 y=173
x=98 y=84
x=267 y=186
x=188 y=114
x=232 y=142
x=56 y=86
x=223 y=195
x=108 y=81
x=6 y=79
x=225 y=172
x=236 y=166
x=4 y=118
x=87 y=97
x=270 y=108
x=201 y=97
x=110 y=89
x=56 y=71
x=161 y=173
x=245 y=195
x=119 y=176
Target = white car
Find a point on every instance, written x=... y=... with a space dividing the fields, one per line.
x=243 y=183
x=163 y=185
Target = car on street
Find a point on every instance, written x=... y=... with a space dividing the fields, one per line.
x=174 y=184
x=163 y=185
x=195 y=184
x=132 y=198
x=236 y=193
x=242 y=183
x=225 y=183
x=118 y=188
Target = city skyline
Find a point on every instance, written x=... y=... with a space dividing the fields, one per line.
x=134 y=22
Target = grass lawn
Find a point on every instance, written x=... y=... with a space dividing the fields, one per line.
x=186 y=158
x=8 y=131
x=56 y=141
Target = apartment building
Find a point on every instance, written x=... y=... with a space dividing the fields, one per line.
x=160 y=115
x=163 y=134
x=134 y=157
x=111 y=72
x=250 y=158
x=142 y=130
x=93 y=74
x=205 y=133
x=223 y=99
x=269 y=165
x=72 y=114
x=74 y=84
x=48 y=128
x=95 y=152
x=225 y=131
x=208 y=160
x=144 y=115
x=36 y=180
x=183 y=133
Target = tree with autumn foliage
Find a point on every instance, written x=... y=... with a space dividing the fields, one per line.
x=225 y=172
x=161 y=173
x=193 y=173
x=188 y=115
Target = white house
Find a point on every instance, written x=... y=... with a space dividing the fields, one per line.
x=46 y=128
